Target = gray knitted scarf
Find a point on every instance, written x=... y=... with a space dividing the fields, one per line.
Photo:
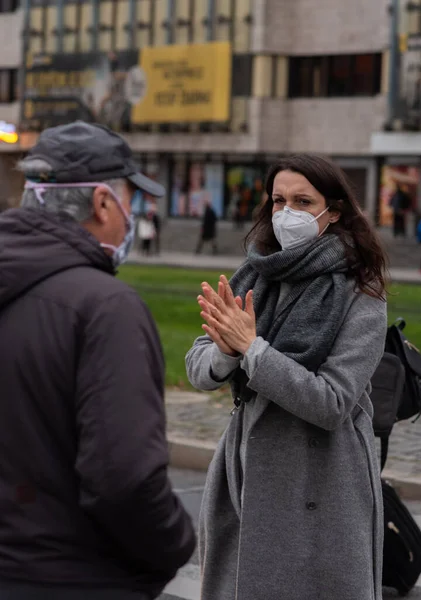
x=308 y=321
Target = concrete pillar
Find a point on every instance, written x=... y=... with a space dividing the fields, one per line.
x=371 y=189
x=258 y=31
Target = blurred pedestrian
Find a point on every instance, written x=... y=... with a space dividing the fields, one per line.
x=157 y=224
x=146 y=232
x=400 y=202
x=292 y=506
x=208 y=229
x=87 y=509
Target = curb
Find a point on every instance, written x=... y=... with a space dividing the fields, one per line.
x=190 y=454
x=397 y=274
x=197 y=455
x=184 y=264
x=406 y=487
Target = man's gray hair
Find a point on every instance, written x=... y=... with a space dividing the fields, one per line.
x=74 y=202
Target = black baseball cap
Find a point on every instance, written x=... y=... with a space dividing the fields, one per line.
x=82 y=152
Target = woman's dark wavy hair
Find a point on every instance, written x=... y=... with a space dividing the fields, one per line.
x=366 y=257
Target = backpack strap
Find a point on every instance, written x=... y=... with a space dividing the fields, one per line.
x=384 y=451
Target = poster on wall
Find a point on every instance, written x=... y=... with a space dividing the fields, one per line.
x=245 y=192
x=182 y=83
x=407 y=177
x=194 y=186
x=61 y=88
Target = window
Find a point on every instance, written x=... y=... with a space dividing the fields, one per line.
x=242 y=68
x=340 y=81
x=412 y=15
x=334 y=76
x=242 y=15
x=8 y=5
x=182 y=25
x=106 y=30
x=200 y=21
x=8 y=85
x=365 y=66
x=223 y=20
x=162 y=23
x=143 y=29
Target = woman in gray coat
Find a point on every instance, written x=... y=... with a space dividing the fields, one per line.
x=292 y=508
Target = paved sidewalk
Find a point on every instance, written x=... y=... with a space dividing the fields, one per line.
x=231 y=263
x=196 y=421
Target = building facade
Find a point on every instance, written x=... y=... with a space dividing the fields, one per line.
x=209 y=93
x=398 y=143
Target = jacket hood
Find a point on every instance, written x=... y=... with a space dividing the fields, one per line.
x=35 y=245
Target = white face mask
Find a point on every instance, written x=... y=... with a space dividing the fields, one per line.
x=294 y=228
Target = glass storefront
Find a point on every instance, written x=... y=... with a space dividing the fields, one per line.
x=194 y=185
x=233 y=190
x=407 y=177
x=244 y=191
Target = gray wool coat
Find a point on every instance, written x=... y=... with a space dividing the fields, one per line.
x=303 y=520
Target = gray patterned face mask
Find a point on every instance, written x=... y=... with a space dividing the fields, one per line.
x=293 y=228
x=121 y=252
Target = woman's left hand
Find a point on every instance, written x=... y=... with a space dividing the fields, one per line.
x=237 y=327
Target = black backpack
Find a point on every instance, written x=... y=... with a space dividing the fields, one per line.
x=410 y=357
x=396 y=396
x=402 y=544
x=396 y=393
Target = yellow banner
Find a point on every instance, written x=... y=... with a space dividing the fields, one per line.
x=189 y=83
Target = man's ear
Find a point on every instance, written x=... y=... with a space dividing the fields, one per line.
x=100 y=205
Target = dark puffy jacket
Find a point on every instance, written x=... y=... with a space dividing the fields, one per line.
x=84 y=494
x=209 y=224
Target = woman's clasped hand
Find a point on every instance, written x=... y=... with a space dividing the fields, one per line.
x=230 y=325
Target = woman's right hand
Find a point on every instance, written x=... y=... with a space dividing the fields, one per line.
x=212 y=332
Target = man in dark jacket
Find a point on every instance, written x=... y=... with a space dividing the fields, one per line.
x=208 y=229
x=400 y=203
x=86 y=507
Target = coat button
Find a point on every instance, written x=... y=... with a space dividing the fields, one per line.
x=311 y=506
x=314 y=442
